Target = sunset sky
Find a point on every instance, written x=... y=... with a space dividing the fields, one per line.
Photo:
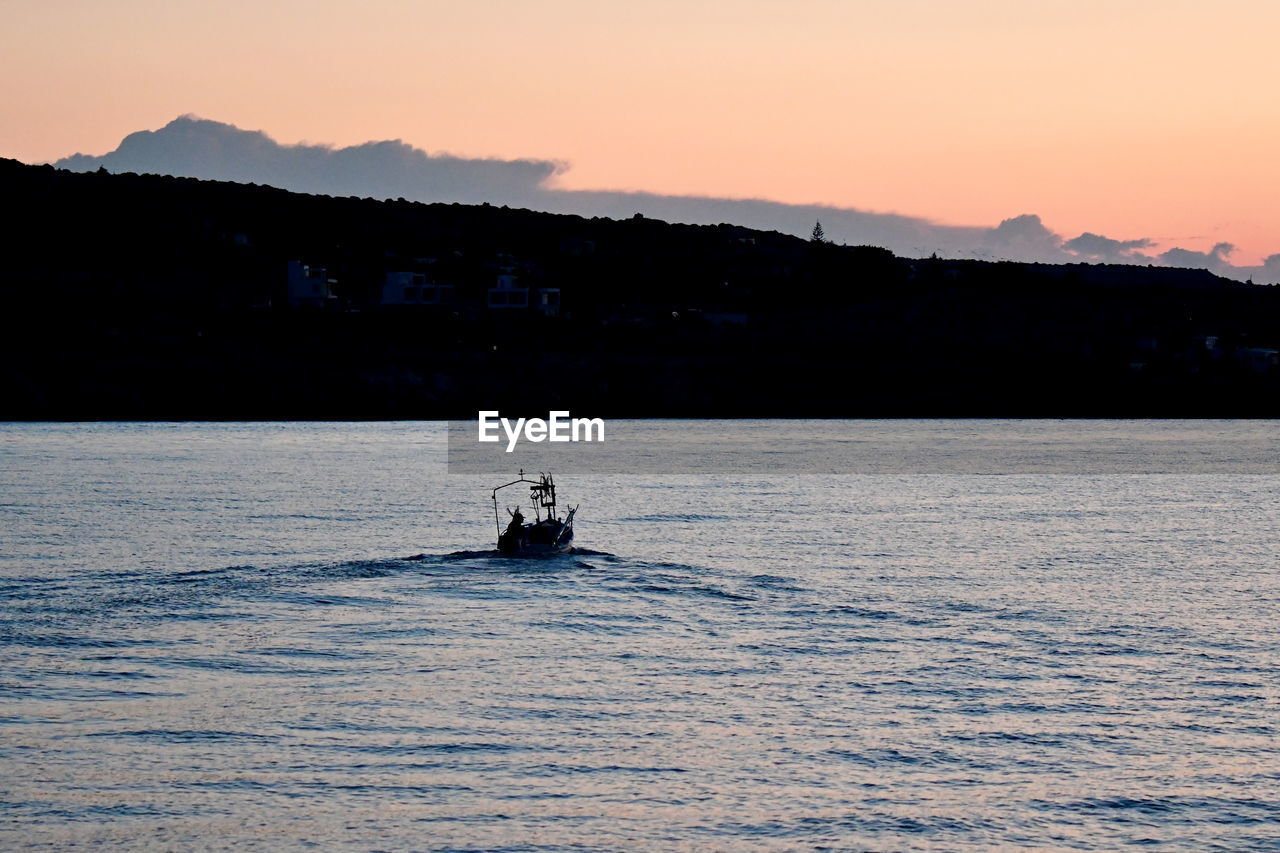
x=1129 y=118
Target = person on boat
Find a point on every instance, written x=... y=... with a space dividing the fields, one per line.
x=516 y=521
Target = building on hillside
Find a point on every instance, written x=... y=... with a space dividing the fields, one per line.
x=507 y=293
x=414 y=288
x=309 y=286
x=546 y=301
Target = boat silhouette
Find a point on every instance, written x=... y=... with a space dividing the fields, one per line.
x=546 y=534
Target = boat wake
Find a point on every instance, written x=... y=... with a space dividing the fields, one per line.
x=495 y=554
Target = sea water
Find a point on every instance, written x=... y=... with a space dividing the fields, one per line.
x=295 y=635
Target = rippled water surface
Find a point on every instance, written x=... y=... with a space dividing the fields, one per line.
x=289 y=635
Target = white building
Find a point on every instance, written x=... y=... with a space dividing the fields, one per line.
x=546 y=301
x=414 y=288
x=309 y=285
x=507 y=294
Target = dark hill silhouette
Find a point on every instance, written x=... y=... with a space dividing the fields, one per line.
x=194 y=147
x=140 y=296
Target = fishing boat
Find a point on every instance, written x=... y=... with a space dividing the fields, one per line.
x=546 y=534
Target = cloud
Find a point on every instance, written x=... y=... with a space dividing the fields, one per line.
x=1025 y=238
x=1215 y=259
x=1090 y=246
x=194 y=147
x=200 y=148
x=1270 y=269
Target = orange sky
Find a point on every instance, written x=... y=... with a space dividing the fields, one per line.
x=1130 y=118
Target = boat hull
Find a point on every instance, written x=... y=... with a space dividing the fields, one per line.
x=534 y=540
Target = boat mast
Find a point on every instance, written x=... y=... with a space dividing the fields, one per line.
x=542 y=494
x=497 y=522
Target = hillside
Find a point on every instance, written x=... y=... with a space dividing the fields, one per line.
x=149 y=297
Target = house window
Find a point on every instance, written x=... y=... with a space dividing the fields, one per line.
x=428 y=294
x=411 y=294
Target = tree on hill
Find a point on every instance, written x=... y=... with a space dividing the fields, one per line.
x=818 y=235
